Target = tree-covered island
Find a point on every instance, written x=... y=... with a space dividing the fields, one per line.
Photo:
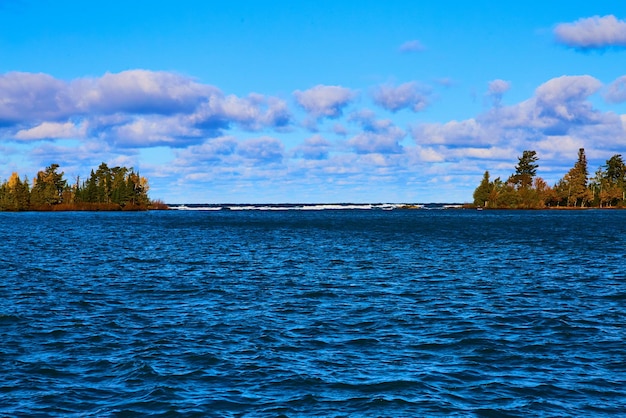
x=525 y=190
x=117 y=188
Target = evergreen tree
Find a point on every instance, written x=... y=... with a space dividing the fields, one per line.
x=22 y=193
x=91 y=189
x=576 y=178
x=613 y=181
x=103 y=184
x=48 y=188
x=525 y=170
x=106 y=188
x=482 y=192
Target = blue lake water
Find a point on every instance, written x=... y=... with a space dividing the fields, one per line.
x=313 y=313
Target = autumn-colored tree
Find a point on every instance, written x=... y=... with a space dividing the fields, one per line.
x=106 y=189
x=14 y=194
x=573 y=187
x=606 y=188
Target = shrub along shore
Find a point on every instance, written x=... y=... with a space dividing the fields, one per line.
x=106 y=189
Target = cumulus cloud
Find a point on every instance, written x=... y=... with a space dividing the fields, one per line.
x=71 y=157
x=377 y=136
x=592 y=33
x=212 y=150
x=33 y=97
x=411 y=46
x=559 y=108
x=496 y=90
x=454 y=133
x=148 y=131
x=314 y=148
x=139 y=91
x=616 y=91
x=217 y=154
x=567 y=89
x=407 y=95
x=380 y=143
x=324 y=101
x=251 y=113
x=51 y=130
x=262 y=150
x=137 y=107
x=563 y=101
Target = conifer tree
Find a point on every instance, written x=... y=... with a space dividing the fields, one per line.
x=525 y=170
x=612 y=181
x=48 y=188
x=482 y=192
x=576 y=180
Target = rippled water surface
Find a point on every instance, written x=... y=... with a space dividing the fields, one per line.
x=319 y=313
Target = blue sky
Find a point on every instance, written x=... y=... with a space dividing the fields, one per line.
x=320 y=101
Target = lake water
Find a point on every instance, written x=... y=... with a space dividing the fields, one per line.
x=313 y=313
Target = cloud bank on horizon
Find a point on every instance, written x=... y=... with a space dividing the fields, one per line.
x=386 y=139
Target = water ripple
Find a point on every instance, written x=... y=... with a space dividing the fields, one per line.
x=350 y=313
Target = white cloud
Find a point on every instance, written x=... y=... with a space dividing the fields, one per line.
x=496 y=90
x=426 y=154
x=567 y=89
x=454 y=133
x=558 y=106
x=314 y=148
x=380 y=143
x=263 y=150
x=324 y=101
x=51 y=130
x=150 y=131
x=592 y=33
x=377 y=136
x=407 y=95
x=212 y=150
x=558 y=118
x=616 y=91
x=139 y=92
x=131 y=104
x=499 y=86
x=562 y=103
x=33 y=97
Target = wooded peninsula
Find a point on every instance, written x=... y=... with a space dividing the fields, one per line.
x=109 y=189
x=524 y=190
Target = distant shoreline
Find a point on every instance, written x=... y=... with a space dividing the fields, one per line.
x=282 y=207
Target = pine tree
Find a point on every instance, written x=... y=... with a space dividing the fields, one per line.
x=48 y=188
x=614 y=180
x=482 y=192
x=525 y=170
x=574 y=185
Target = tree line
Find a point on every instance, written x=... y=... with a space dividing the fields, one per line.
x=525 y=190
x=116 y=188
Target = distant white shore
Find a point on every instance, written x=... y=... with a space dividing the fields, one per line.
x=311 y=207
